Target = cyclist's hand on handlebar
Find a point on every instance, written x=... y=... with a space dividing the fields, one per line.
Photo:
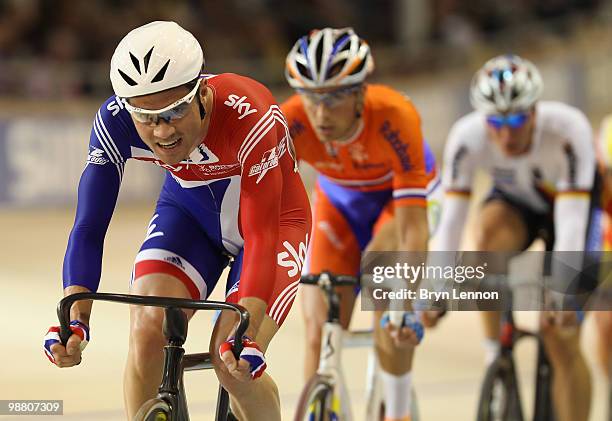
x=69 y=355
x=409 y=334
x=430 y=318
x=251 y=364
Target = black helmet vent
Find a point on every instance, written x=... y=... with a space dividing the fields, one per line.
x=162 y=72
x=127 y=79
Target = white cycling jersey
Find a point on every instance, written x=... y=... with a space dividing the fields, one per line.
x=556 y=174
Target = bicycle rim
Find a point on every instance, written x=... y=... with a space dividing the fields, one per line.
x=499 y=397
x=317 y=402
x=154 y=410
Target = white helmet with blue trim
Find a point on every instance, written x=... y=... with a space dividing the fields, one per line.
x=506 y=83
x=154 y=57
x=328 y=58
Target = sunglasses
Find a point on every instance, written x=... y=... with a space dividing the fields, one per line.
x=172 y=112
x=330 y=99
x=513 y=121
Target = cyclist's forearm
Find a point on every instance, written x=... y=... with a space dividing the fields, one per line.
x=415 y=238
x=413 y=229
x=81 y=310
x=257 y=309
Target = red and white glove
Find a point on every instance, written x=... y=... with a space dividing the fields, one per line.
x=52 y=337
x=250 y=353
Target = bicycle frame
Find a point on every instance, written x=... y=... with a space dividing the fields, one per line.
x=334 y=338
x=171 y=390
x=510 y=334
x=330 y=365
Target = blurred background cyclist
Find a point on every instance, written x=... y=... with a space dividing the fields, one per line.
x=540 y=156
x=375 y=175
x=604 y=318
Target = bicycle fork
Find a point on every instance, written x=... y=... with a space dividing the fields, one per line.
x=331 y=367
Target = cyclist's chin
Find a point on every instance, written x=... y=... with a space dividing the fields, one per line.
x=325 y=135
x=513 y=150
x=171 y=153
x=332 y=133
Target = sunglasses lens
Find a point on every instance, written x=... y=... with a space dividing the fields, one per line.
x=495 y=121
x=514 y=121
x=144 y=117
x=172 y=114
x=317 y=98
x=329 y=99
x=175 y=113
x=180 y=110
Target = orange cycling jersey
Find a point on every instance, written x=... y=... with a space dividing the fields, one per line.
x=385 y=165
x=387 y=152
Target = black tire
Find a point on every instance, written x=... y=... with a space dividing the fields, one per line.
x=543 y=409
x=499 y=395
x=316 y=400
x=154 y=410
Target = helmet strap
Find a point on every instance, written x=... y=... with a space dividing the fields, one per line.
x=359 y=104
x=201 y=107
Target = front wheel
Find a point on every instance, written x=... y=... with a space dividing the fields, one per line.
x=317 y=401
x=499 y=396
x=154 y=410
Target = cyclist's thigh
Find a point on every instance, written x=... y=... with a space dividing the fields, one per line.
x=175 y=247
x=334 y=247
x=502 y=226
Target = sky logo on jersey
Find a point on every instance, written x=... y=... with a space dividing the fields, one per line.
x=115 y=106
x=269 y=160
x=239 y=104
x=96 y=157
x=292 y=258
x=151 y=233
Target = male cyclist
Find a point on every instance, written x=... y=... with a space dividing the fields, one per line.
x=541 y=159
x=604 y=318
x=375 y=172
x=231 y=191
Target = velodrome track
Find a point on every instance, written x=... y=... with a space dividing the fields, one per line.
x=447 y=371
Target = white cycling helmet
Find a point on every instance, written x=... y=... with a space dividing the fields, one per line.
x=154 y=57
x=328 y=58
x=504 y=84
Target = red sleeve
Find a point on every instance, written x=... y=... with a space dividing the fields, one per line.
x=261 y=140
